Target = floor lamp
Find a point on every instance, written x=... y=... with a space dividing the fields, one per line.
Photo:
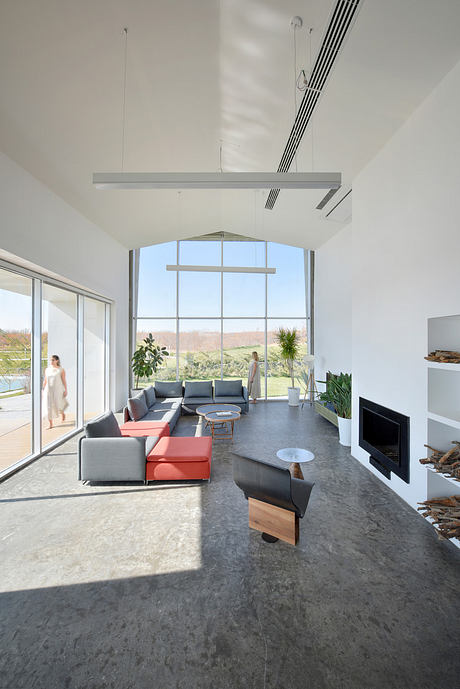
x=311 y=389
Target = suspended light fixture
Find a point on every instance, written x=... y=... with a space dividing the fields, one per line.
x=206 y=180
x=217 y=180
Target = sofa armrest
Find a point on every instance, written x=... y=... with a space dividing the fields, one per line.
x=245 y=394
x=112 y=459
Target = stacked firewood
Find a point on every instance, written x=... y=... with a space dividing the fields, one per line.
x=445 y=513
x=445 y=462
x=444 y=356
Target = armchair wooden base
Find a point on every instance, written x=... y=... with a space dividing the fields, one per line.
x=273 y=520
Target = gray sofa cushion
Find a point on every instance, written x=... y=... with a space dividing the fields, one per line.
x=229 y=399
x=224 y=388
x=199 y=388
x=167 y=389
x=150 y=396
x=198 y=401
x=165 y=403
x=137 y=407
x=172 y=417
x=150 y=442
x=155 y=415
x=105 y=427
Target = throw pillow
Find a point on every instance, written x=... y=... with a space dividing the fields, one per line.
x=150 y=396
x=137 y=407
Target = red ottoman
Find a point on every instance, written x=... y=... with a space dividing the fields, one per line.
x=132 y=429
x=179 y=459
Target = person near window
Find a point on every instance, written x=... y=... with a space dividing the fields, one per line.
x=254 y=378
x=54 y=391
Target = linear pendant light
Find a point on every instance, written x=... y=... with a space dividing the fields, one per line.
x=220 y=269
x=217 y=180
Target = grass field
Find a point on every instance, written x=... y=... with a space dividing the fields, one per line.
x=206 y=366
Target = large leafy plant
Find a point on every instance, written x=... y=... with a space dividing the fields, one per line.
x=289 y=343
x=338 y=393
x=147 y=358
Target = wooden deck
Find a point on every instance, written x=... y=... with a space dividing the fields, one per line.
x=15 y=443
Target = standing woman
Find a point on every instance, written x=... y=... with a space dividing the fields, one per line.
x=54 y=391
x=254 y=378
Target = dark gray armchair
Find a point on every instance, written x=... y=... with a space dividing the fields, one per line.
x=276 y=500
x=104 y=455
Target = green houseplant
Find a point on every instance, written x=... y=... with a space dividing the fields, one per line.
x=147 y=358
x=289 y=344
x=338 y=393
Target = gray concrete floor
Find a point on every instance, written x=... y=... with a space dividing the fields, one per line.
x=164 y=586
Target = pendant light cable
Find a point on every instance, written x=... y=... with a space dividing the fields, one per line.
x=125 y=34
x=295 y=25
x=310 y=31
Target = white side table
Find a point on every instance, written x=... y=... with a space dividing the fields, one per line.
x=296 y=456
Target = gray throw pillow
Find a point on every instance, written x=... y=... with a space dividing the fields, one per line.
x=228 y=388
x=137 y=407
x=167 y=389
x=150 y=396
x=105 y=427
x=199 y=388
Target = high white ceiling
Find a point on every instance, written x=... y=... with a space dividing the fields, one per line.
x=201 y=72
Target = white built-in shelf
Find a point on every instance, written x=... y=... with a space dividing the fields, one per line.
x=449 y=479
x=443 y=404
x=446 y=367
x=455 y=541
x=453 y=423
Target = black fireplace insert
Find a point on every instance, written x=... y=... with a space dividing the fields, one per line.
x=384 y=433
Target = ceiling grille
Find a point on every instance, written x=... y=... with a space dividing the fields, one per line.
x=341 y=21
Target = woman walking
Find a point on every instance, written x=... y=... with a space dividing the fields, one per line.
x=254 y=378
x=54 y=391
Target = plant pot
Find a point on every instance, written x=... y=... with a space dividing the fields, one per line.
x=344 y=431
x=293 y=397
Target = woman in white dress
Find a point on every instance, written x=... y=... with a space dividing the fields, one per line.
x=54 y=391
x=254 y=378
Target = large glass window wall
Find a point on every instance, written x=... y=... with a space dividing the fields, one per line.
x=211 y=322
x=54 y=344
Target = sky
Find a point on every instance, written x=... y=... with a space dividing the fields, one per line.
x=199 y=293
x=244 y=294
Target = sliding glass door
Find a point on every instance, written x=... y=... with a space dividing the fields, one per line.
x=15 y=368
x=94 y=339
x=59 y=376
x=54 y=363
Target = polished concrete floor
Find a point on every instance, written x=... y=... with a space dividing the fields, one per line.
x=164 y=586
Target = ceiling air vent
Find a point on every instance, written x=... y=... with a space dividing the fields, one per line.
x=340 y=24
x=341 y=211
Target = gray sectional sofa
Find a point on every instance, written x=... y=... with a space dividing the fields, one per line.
x=166 y=401
x=104 y=455
x=160 y=403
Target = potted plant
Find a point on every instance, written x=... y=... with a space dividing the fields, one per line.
x=147 y=358
x=288 y=341
x=338 y=393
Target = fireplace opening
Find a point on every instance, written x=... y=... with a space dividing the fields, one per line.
x=384 y=433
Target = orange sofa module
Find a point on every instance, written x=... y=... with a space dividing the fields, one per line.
x=179 y=459
x=140 y=429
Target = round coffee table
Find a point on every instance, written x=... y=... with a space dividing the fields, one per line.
x=206 y=408
x=296 y=456
x=222 y=423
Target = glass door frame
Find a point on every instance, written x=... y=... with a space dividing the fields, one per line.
x=38 y=280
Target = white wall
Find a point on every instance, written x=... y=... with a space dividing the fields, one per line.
x=406 y=251
x=39 y=227
x=333 y=278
